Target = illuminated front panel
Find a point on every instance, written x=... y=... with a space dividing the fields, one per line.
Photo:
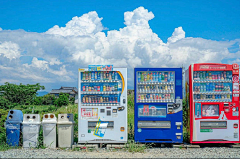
x=210 y=110
x=151 y=111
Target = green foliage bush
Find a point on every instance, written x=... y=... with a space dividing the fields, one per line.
x=21 y=94
x=4 y=103
x=72 y=100
x=38 y=101
x=3 y=117
x=48 y=99
x=62 y=100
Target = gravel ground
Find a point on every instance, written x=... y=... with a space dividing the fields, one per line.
x=213 y=152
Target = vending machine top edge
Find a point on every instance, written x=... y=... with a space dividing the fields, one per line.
x=212 y=92
x=158 y=105
x=102 y=104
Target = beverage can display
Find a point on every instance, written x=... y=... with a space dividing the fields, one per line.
x=99 y=75
x=87 y=88
x=92 y=76
x=139 y=77
x=83 y=100
x=83 y=89
x=83 y=76
x=160 y=77
x=86 y=75
x=96 y=77
x=89 y=76
x=110 y=76
x=98 y=88
x=107 y=75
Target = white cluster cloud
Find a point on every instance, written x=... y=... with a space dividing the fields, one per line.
x=87 y=24
x=52 y=58
x=10 y=50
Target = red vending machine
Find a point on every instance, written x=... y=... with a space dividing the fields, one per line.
x=212 y=92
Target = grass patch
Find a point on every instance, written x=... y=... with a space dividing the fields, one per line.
x=132 y=146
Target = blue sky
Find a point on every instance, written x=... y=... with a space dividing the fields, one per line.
x=47 y=41
x=215 y=19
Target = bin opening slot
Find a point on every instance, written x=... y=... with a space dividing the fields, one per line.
x=154 y=124
x=103 y=124
x=213 y=124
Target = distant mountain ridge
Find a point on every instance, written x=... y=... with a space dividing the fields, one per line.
x=42 y=93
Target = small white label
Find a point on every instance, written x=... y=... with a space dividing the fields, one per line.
x=178 y=133
x=178 y=123
x=235 y=95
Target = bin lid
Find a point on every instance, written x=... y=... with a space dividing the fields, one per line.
x=49 y=118
x=65 y=119
x=31 y=119
x=15 y=115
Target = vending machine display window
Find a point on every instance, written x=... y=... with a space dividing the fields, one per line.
x=210 y=110
x=212 y=86
x=155 y=86
x=151 y=111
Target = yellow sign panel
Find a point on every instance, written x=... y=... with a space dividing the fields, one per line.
x=81 y=70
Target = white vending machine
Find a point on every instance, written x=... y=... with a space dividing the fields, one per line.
x=102 y=104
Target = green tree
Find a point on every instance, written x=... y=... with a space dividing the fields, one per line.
x=72 y=100
x=21 y=94
x=62 y=100
x=4 y=103
x=48 y=99
x=38 y=101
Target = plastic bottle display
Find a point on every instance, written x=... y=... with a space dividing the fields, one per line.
x=160 y=89
x=100 y=76
x=212 y=75
x=97 y=99
x=212 y=86
x=155 y=76
x=156 y=97
x=101 y=87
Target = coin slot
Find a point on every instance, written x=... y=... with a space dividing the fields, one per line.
x=109 y=113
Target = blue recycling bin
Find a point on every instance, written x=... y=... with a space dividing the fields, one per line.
x=13 y=127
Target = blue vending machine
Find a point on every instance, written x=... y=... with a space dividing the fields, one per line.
x=158 y=105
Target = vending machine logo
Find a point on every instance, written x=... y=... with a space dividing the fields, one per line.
x=235 y=66
x=212 y=67
x=235 y=79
